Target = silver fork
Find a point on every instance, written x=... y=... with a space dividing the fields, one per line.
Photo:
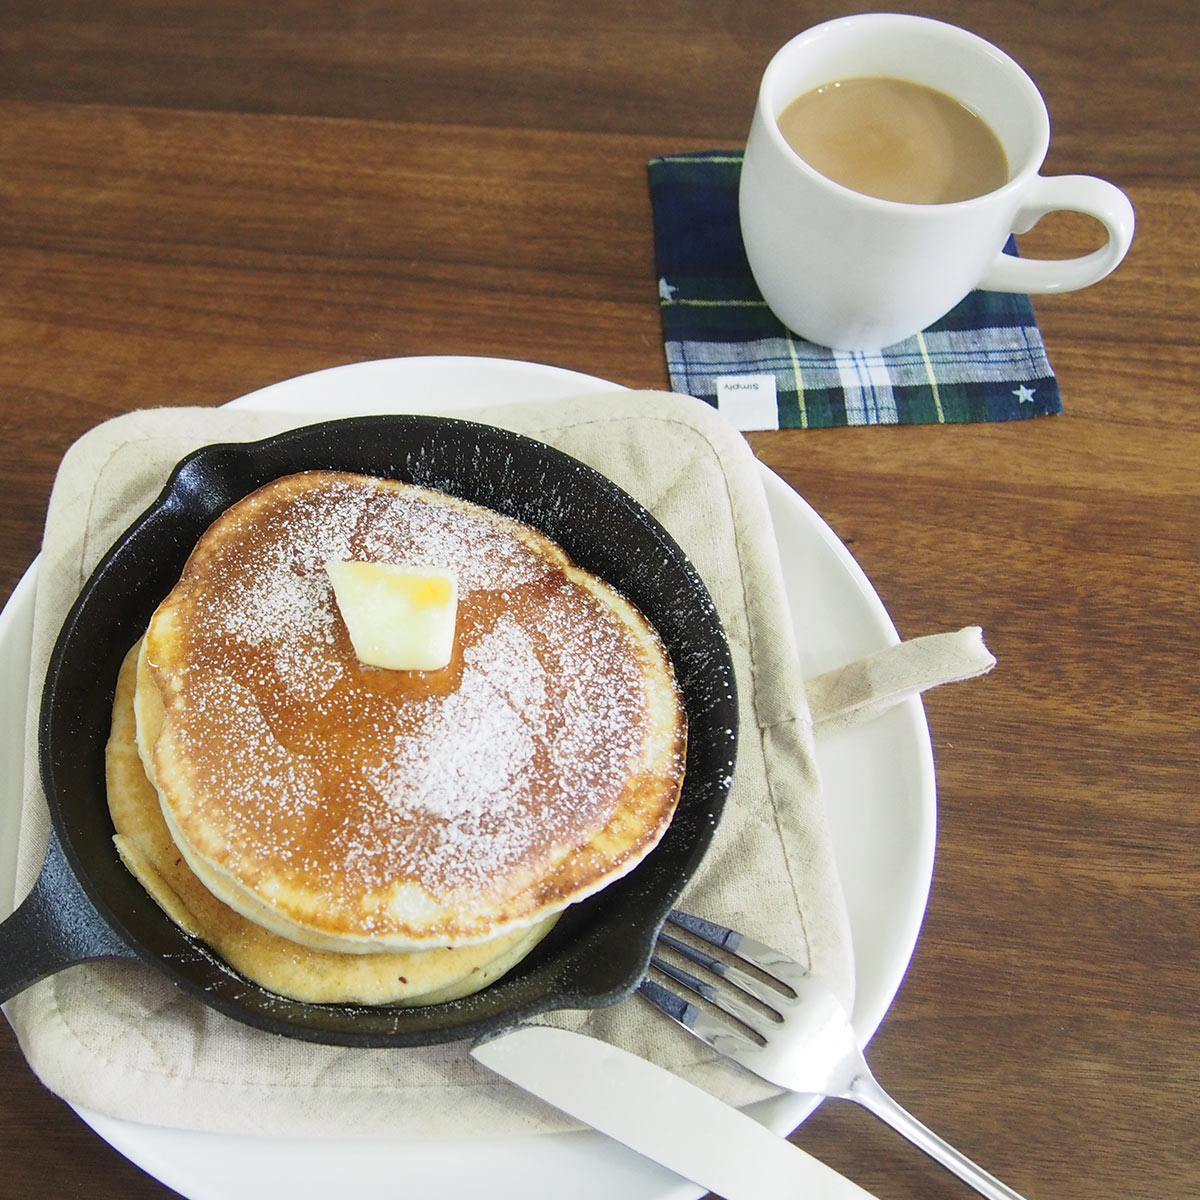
x=797 y=1035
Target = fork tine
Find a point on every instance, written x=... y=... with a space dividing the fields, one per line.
x=728 y=1000
x=763 y=992
x=765 y=958
x=723 y=1037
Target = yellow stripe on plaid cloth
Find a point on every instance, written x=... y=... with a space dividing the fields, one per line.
x=799 y=384
x=933 y=383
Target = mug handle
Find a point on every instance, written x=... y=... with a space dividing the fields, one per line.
x=1072 y=193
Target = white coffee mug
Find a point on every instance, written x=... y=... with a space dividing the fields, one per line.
x=853 y=272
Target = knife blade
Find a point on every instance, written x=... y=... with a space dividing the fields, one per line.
x=661 y=1116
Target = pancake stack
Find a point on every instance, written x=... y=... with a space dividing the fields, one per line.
x=342 y=832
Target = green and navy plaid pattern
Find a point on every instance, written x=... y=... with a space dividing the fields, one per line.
x=983 y=361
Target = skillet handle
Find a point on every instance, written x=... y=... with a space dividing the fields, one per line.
x=55 y=926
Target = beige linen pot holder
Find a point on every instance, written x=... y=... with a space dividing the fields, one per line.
x=118 y=1038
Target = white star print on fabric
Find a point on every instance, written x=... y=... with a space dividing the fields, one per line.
x=666 y=291
x=1024 y=394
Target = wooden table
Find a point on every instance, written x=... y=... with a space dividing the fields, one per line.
x=201 y=199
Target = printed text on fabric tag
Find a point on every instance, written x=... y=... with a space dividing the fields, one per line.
x=748 y=401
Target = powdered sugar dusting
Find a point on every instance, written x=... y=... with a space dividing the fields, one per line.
x=474 y=745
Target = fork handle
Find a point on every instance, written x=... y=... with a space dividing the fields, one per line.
x=865 y=1090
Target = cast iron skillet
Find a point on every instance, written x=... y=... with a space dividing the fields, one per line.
x=85 y=905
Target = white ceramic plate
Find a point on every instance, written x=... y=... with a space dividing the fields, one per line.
x=878 y=782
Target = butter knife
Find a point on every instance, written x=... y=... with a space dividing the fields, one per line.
x=661 y=1116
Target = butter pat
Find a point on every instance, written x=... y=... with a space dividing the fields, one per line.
x=399 y=617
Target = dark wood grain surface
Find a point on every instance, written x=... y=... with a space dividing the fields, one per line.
x=198 y=199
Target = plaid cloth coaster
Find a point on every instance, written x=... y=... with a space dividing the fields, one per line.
x=983 y=361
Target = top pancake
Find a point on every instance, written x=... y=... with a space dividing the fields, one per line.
x=353 y=808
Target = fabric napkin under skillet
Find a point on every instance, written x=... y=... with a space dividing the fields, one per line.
x=118 y=1038
x=983 y=361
